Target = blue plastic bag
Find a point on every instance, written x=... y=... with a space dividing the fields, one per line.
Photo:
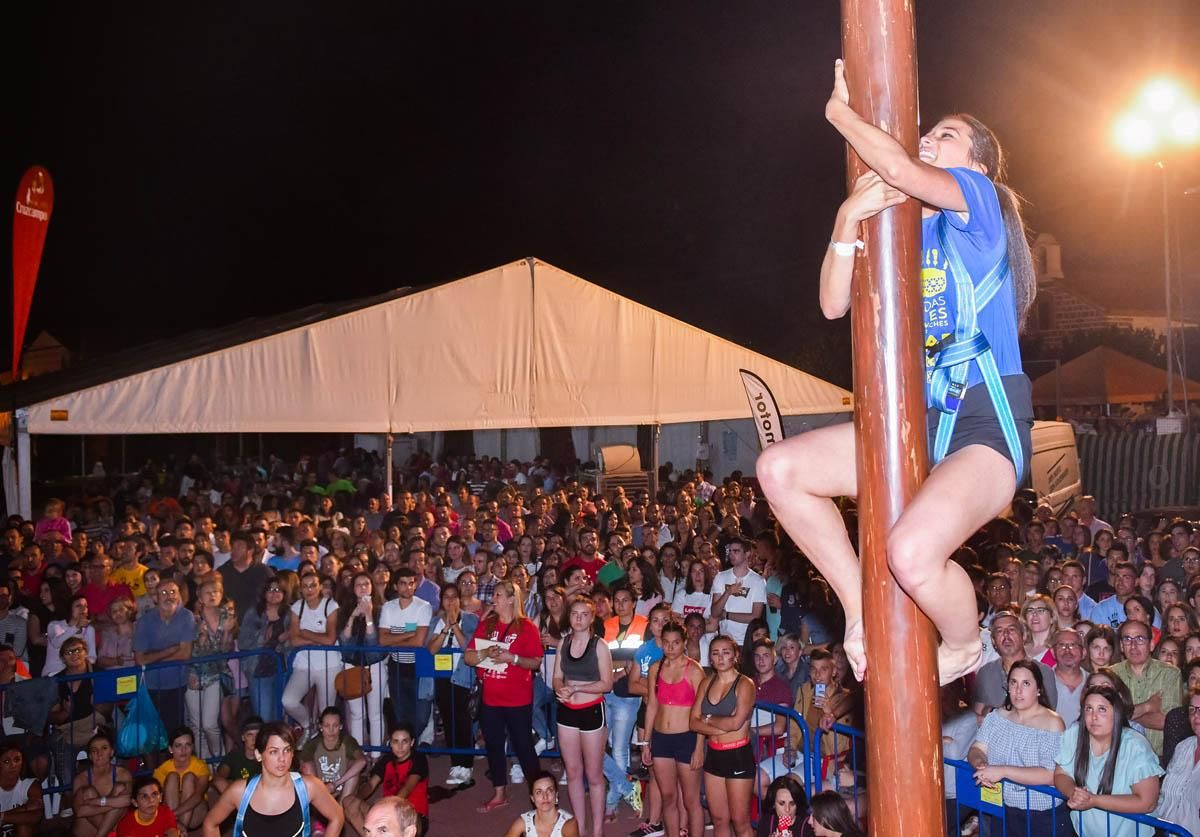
x=141 y=731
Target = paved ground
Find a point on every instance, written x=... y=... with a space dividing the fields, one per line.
x=456 y=816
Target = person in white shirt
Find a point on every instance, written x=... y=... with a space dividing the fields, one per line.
x=695 y=596
x=739 y=593
x=222 y=547
x=457 y=559
x=316 y=624
x=403 y=623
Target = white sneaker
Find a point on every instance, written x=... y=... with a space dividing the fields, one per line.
x=456 y=777
x=541 y=746
x=562 y=780
x=516 y=775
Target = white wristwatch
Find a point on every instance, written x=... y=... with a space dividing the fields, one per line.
x=843 y=248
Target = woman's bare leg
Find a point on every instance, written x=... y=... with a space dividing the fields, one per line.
x=593 y=765
x=964 y=491
x=798 y=477
x=570 y=746
x=718 y=805
x=689 y=787
x=664 y=776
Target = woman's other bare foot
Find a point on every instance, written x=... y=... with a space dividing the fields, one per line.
x=954 y=663
x=856 y=649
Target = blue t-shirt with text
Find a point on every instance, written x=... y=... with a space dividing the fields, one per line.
x=978 y=240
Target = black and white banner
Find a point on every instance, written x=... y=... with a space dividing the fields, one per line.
x=763 y=409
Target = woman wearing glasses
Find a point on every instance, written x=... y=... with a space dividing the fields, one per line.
x=75 y=717
x=1038 y=615
x=266 y=626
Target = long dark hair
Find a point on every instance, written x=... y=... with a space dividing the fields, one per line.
x=1083 y=747
x=792 y=785
x=1033 y=668
x=831 y=811
x=986 y=151
x=348 y=603
x=651 y=586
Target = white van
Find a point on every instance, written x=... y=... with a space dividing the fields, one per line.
x=1054 y=468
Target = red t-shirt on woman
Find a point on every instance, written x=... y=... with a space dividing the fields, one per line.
x=514 y=685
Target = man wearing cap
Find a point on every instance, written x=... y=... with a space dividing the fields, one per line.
x=240 y=764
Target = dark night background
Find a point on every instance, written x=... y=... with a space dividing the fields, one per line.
x=221 y=161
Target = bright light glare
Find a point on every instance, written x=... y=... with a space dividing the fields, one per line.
x=1135 y=135
x=1162 y=95
x=1185 y=126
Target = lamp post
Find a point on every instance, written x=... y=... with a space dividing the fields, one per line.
x=1164 y=118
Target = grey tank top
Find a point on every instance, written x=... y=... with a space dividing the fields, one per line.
x=725 y=707
x=582 y=669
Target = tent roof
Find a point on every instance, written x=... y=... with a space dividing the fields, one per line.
x=522 y=345
x=1106 y=376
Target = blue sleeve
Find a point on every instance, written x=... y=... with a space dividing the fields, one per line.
x=141 y=635
x=984 y=224
x=1137 y=760
x=187 y=630
x=984 y=735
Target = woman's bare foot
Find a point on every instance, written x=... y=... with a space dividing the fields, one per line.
x=954 y=663
x=856 y=649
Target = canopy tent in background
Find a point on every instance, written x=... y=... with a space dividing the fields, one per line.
x=1106 y=376
x=525 y=345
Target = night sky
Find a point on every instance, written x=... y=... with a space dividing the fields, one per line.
x=231 y=160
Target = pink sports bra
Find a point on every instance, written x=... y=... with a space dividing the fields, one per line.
x=681 y=693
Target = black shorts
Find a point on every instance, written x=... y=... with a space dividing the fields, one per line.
x=737 y=763
x=673 y=745
x=588 y=719
x=977 y=423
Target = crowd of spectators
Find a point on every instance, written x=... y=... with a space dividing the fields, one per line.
x=669 y=616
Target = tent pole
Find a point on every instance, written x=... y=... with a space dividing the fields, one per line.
x=24 y=477
x=1058 y=411
x=904 y=733
x=124 y=470
x=654 y=457
x=387 y=467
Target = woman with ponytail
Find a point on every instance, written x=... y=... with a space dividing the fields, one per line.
x=978 y=399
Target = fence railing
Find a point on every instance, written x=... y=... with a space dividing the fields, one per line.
x=835 y=756
x=968 y=797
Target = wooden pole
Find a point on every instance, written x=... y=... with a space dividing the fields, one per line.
x=904 y=739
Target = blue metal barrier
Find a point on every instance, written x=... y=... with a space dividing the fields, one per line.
x=857 y=764
x=111 y=688
x=438 y=666
x=769 y=763
x=970 y=796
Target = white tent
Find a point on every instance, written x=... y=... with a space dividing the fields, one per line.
x=521 y=346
